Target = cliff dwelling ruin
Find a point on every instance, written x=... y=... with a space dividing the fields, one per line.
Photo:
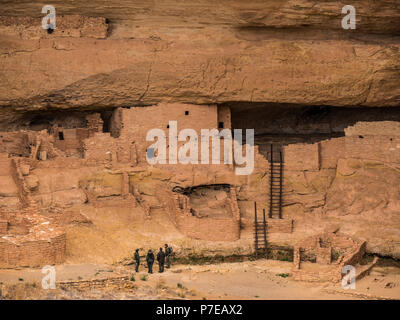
x=308 y=162
x=76 y=104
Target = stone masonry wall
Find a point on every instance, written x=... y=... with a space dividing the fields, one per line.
x=137 y=121
x=32 y=253
x=374 y=147
x=15 y=143
x=203 y=228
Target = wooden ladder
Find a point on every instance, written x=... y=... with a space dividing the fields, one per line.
x=260 y=234
x=275 y=184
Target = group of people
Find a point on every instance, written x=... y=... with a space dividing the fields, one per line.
x=162 y=257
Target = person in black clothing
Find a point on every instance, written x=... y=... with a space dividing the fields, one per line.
x=150 y=260
x=168 y=253
x=161 y=260
x=137 y=260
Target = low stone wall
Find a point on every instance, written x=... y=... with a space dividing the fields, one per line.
x=355 y=256
x=354 y=252
x=34 y=253
x=332 y=275
x=83 y=285
x=40 y=243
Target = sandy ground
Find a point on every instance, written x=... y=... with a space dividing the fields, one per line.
x=261 y=279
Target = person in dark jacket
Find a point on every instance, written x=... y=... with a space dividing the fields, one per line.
x=161 y=260
x=137 y=260
x=168 y=253
x=150 y=260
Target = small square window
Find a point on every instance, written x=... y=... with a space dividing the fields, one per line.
x=186 y=113
x=220 y=125
x=61 y=135
x=167 y=126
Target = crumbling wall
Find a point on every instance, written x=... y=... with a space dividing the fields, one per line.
x=71 y=140
x=378 y=141
x=94 y=122
x=374 y=147
x=100 y=155
x=23 y=190
x=204 y=228
x=371 y=128
x=32 y=253
x=196 y=226
x=322 y=246
x=15 y=143
x=30 y=238
x=112 y=151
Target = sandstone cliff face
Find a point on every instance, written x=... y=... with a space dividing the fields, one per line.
x=199 y=52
